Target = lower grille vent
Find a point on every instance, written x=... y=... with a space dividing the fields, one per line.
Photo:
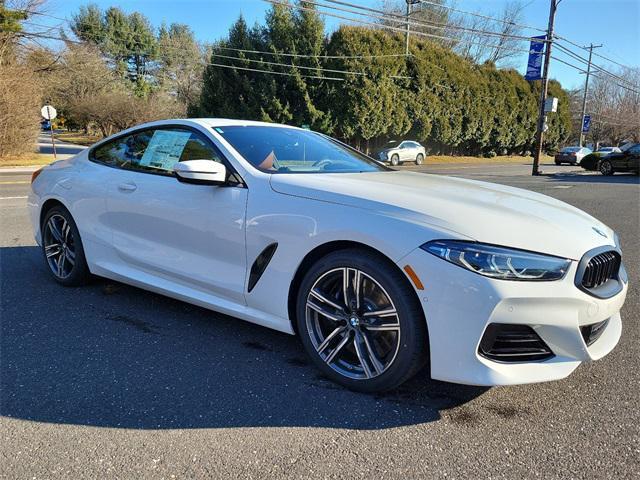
x=591 y=333
x=513 y=343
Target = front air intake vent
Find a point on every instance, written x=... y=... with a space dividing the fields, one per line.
x=260 y=265
x=601 y=269
x=513 y=343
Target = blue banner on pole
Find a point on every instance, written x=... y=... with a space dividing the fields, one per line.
x=534 y=64
x=586 y=123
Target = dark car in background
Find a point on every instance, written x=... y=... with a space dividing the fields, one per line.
x=591 y=161
x=627 y=160
x=571 y=155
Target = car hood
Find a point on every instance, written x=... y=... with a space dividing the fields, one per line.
x=481 y=211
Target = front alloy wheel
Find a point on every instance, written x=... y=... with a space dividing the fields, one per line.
x=352 y=323
x=419 y=159
x=360 y=321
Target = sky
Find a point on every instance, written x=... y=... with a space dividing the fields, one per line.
x=613 y=23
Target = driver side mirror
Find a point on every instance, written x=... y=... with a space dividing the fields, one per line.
x=201 y=172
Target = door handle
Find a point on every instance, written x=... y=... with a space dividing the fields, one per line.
x=127 y=187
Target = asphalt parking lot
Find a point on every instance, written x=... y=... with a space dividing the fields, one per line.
x=109 y=381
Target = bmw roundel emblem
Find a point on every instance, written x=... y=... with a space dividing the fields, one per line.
x=599 y=232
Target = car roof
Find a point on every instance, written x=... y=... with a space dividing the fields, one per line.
x=226 y=122
x=203 y=122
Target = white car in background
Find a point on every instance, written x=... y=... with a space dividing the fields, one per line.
x=378 y=272
x=400 y=152
x=571 y=155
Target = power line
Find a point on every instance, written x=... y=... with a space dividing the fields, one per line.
x=284 y=54
x=49 y=37
x=422 y=23
x=586 y=48
x=595 y=66
x=582 y=70
x=42 y=14
x=301 y=55
x=387 y=27
x=274 y=73
x=264 y=62
x=486 y=17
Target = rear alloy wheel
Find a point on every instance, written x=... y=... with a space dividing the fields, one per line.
x=395 y=159
x=606 y=168
x=419 y=159
x=360 y=322
x=62 y=248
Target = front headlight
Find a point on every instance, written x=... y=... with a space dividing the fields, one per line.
x=499 y=262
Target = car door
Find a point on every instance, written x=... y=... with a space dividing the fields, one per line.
x=631 y=158
x=191 y=235
x=405 y=151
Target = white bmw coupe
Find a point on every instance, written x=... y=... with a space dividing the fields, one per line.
x=379 y=272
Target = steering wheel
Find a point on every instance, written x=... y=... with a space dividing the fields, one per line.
x=321 y=163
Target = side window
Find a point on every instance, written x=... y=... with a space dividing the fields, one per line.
x=199 y=148
x=111 y=153
x=155 y=150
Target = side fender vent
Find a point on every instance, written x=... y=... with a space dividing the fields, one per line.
x=260 y=265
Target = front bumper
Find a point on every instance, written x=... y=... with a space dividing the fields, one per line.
x=459 y=305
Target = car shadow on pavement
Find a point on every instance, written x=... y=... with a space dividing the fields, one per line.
x=589 y=177
x=111 y=355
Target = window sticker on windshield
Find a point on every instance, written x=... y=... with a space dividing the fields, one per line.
x=164 y=149
x=219 y=130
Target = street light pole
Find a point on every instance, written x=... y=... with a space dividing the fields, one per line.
x=584 y=95
x=406 y=35
x=408 y=15
x=544 y=89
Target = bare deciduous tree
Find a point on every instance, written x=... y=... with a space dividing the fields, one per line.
x=614 y=106
x=478 y=38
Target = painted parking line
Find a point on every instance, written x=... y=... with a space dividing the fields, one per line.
x=13 y=198
x=18 y=182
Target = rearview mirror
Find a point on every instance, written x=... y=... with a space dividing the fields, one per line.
x=201 y=172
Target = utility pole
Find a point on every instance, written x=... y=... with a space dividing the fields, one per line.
x=545 y=86
x=406 y=35
x=586 y=89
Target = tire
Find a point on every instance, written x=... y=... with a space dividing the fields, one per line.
x=399 y=351
x=395 y=159
x=557 y=163
x=68 y=266
x=419 y=159
x=606 y=168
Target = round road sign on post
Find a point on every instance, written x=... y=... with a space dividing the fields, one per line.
x=48 y=112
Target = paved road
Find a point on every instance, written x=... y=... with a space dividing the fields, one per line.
x=63 y=149
x=112 y=381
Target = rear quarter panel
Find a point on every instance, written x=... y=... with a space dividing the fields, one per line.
x=80 y=186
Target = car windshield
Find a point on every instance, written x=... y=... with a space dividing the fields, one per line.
x=570 y=149
x=291 y=150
